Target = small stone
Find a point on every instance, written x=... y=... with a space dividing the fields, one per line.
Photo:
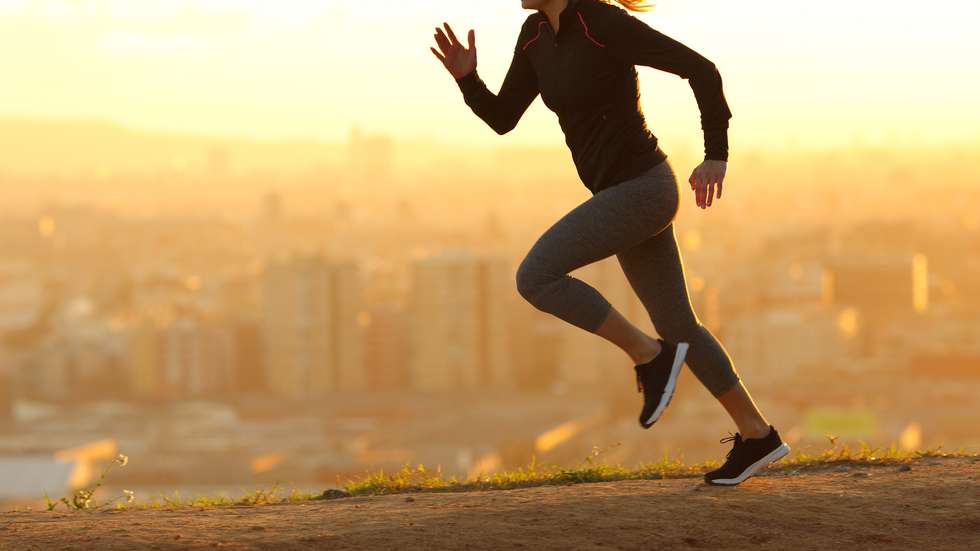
x=904 y=468
x=842 y=469
x=333 y=493
x=409 y=498
x=176 y=536
x=860 y=475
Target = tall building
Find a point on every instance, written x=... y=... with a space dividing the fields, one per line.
x=942 y=343
x=310 y=334
x=239 y=303
x=497 y=295
x=459 y=307
x=787 y=341
x=880 y=286
x=22 y=299
x=386 y=348
x=346 y=338
x=272 y=209
x=444 y=306
x=535 y=348
x=249 y=357
x=144 y=360
x=270 y=231
x=197 y=357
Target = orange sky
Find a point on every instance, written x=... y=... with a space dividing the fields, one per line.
x=809 y=74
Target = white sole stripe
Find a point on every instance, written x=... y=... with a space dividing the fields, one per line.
x=769 y=458
x=675 y=369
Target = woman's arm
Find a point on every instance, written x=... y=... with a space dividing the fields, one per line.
x=632 y=41
x=501 y=111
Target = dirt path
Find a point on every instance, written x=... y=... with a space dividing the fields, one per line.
x=934 y=505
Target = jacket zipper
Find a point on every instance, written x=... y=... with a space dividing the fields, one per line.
x=554 y=35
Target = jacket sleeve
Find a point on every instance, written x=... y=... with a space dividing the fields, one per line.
x=634 y=42
x=502 y=111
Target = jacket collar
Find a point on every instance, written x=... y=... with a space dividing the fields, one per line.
x=572 y=4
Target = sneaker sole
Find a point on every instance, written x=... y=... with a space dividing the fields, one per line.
x=675 y=369
x=753 y=468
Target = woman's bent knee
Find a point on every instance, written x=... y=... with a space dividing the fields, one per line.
x=529 y=280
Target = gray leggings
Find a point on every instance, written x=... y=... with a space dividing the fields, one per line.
x=633 y=220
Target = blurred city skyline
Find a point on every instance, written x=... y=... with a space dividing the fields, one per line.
x=362 y=312
x=248 y=241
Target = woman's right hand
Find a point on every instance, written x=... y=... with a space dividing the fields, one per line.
x=456 y=58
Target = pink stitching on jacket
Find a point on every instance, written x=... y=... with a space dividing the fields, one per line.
x=586 y=27
x=537 y=36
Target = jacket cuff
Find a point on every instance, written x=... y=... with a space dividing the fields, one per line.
x=716 y=144
x=469 y=82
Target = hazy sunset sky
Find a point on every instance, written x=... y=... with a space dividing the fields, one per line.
x=807 y=74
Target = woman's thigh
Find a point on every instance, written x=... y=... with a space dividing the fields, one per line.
x=613 y=220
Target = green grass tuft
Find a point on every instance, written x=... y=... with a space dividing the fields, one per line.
x=417 y=480
x=420 y=479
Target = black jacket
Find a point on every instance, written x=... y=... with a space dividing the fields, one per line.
x=586 y=75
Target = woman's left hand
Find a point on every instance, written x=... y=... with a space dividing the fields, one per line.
x=704 y=179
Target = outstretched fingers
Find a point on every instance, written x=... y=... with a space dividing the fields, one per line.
x=693 y=180
x=444 y=43
x=452 y=35
x=697 y=187
x=442 y=59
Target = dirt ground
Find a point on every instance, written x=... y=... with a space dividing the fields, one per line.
x=935 y=505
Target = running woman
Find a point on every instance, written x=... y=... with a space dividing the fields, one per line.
x=580 y=56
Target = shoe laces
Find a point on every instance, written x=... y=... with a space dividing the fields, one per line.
x=639 y=383
x=736 y=438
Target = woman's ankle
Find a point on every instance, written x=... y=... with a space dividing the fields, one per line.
x=646 y=352
x=756 y=432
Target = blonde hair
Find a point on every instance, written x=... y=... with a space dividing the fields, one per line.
x=633 y=5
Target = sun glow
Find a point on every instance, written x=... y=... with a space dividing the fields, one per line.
x=314 y=68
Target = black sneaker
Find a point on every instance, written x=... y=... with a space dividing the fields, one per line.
x=747 y=457
x=657 y=379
